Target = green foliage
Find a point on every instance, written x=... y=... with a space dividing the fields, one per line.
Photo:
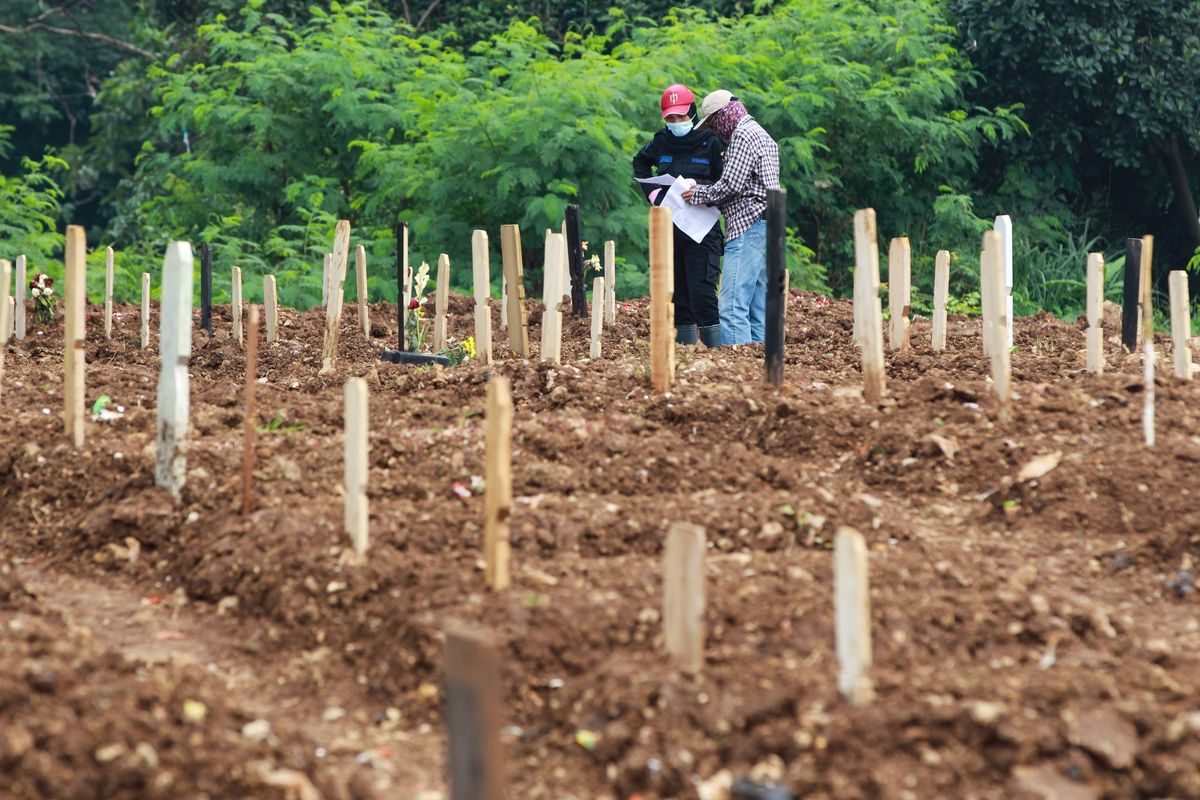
x=29 y=208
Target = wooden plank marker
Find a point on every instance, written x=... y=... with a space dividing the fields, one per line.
x=683 y=595
x=610 y=282
x=403 y=284
x=360 y=281
x=325 y=273
x=441 y=301
x=574 y=231
x=473 y=714
x=868 y=310
x=899 y=292
x=662 y=290
x=1004 y=310
x=986 y=304
x=1146 y=285
x=993 y=274
x=22 y=282
x=248 y=427
x=776 y=302
x=235 y=302
x=206 y=288
x=941 y=291
x=597 y=316
x=146 y=310
x=6 y=308
x=1181 y=324
x=356 y=451
x=498 y=482
x=337 y=283
x=514 y=279
x=481 y=274
x=108 y=291
x=1132 y=295
x=852 y=616
x=74 y=355
x=1095 y=313
x=175 y=351
x=271 y=306
x=552 y=274
x=503 y=299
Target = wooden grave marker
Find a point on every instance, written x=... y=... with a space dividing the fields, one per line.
x=175 y=351
x=1181 y=324
x=574 y=231
x=1146 y=285
x=662 y=290
x=441 y=302
x=498 y=482
x=146 y=310
x=481 y=275
x=941 y=291
x=6 y=308
x=22 y=283
x=360 y=283
x=552 y=297
x=899 y=292
x=1095 y=313
x=1131 y=297
x=271 y=307
x=473 y=714
x=597 y=316
x=867 y=305
x=108 y=292
x=235 y=303
x=248 y=425
x=986 y=304
x=356 y=464
x=206 y=323
x=776 y=301
x=852 y=616
x=337 y=283
x=683 y=595
x=1004 y=309
x=403 y=284
x=514 y=279
x=993 y=275
x=610 y=282
x=74 y=354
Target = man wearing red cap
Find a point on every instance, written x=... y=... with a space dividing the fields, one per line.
x=751 y=168
x=681 y=150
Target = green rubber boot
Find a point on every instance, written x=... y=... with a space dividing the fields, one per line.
x=711 y=336
x=685 y=334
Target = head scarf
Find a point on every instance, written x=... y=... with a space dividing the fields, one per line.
x=724 y=121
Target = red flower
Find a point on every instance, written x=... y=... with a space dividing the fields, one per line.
x=414 y=303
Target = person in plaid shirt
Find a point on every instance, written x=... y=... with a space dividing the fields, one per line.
x=751 y=168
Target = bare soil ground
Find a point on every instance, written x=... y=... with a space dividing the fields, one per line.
x=1033 y=639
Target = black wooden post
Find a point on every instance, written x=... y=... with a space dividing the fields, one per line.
x=1133 y=296
x=776 y=271
x=206 y=288
x=401 y=243
x=575 y=261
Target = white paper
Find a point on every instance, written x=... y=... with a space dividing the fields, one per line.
x=695 y=221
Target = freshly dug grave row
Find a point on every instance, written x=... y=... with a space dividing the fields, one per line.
x=601 y=466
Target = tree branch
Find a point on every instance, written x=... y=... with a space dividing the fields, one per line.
x=98 y=37
x=428 y=11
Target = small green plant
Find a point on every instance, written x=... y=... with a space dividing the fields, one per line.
x=460 y=351
x=278 y=426
x=416 y=327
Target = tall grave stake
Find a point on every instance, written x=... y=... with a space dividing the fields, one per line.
x=74 y=355
x=1004 y=311
x=360 y=280
x=514 y=279
x=993 y=275
x=986 y=301
x=1132 y=295
x=498 y=482
x=852 y=615
x=481 y=274
x=175 y=350
x=597 y=316
x=403 y=284
x=552 y=273
x=941 y=291
x=22 y=282
x=473 y=716
x=146 y=310
x=248 y=427
x=776 y=280
x=337 y=282
x=235 y=302
x=579 y=306
x=1095 y=313
x=441 y=300
x=683 y=595
x=271 y=306
x=1181 y=324
x=108 y=291
x=899 y=291
x=1149 y=356
x=206 y=288
x=610 y=282
x=356 y=450
x=662 y=290
x=5 y=310
x=868 y=310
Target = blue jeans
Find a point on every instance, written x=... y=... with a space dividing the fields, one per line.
x=743 y=300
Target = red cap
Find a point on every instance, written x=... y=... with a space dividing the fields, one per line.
x=677 y=99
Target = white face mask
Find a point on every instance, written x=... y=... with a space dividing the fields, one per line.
x=680 y=128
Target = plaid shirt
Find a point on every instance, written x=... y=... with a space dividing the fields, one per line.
x=751 y=168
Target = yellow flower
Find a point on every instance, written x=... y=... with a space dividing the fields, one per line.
x=469 y=346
